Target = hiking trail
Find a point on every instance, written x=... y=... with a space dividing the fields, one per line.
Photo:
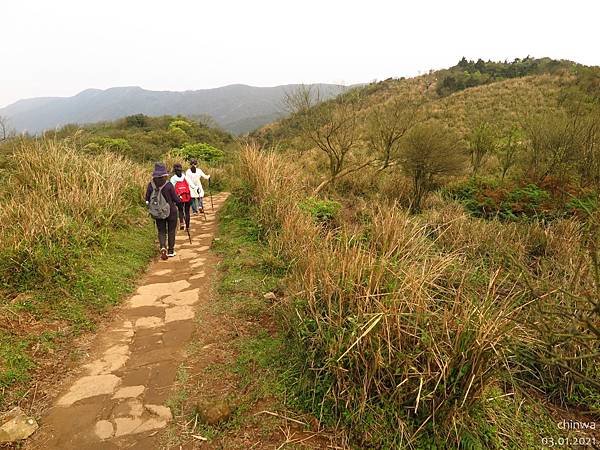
x=116 y=398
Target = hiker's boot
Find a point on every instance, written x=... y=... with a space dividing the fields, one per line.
x=181 y=226
x=163 y=254
x=171 y=253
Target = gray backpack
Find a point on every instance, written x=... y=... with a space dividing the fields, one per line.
x=158 y=207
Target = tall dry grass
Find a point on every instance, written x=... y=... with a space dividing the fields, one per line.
x=396 y=336
x=388 y=319
x=56 y=203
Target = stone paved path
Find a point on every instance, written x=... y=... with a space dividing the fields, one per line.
x=117 y=398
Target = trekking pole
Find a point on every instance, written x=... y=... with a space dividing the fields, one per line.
x=187 y=228
x=204 y=212
x=212 y=208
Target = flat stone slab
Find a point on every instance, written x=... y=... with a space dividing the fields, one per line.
x=104 y=429
x=130 y=391
x=90 y=386
x=160 y=289
x=179 y=313
x=16 y=426
x=149 y=322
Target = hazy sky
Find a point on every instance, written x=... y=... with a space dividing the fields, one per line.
x=60 y=47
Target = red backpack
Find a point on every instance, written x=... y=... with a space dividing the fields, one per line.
x=182 y=189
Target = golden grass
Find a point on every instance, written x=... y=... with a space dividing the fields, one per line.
x=410 y=320
x=57 y=201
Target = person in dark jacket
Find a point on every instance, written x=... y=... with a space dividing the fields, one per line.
x=166 y=226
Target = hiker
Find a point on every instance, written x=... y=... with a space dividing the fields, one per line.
x=182 y=189
x=162 y=204
x=193 y=175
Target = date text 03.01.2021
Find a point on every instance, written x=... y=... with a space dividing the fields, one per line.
x=568 y=441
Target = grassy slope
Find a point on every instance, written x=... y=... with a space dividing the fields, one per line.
x=335 y=284
x=252 y=370
x=269 y=365
x=65 y=260
x=44 y=322
x=502 y=103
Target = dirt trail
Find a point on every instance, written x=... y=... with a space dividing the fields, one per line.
x=116 y=399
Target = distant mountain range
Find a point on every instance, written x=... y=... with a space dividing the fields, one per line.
x=236 y=108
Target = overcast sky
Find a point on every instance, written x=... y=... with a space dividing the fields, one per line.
x=61 y=47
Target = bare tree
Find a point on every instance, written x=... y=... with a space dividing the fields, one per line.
x=334 y=129
x=508 y=150
x=589 y=159
x=387 y=124
x=431 y=150
x=553 y=143
x=301 y=99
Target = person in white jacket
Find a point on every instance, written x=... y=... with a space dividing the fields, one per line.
x=193 y=175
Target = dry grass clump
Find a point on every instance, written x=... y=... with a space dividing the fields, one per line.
x=58 y=202
x=552 y=268
x=395 y=337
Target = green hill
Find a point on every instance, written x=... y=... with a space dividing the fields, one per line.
x=143 y=138
x=498 y=98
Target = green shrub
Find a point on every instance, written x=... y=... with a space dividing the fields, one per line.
x=178 y=136
x=183 y=125
x=136 y=121
x=117 y=145
x=321 y=210
x=200 y=151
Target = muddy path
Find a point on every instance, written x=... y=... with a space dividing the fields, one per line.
x=117 y=397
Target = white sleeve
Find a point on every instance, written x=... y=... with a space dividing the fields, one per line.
x=202 y=174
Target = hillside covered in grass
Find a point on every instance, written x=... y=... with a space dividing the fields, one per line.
x=65 y=257
x=75 y=233
x=442 y=255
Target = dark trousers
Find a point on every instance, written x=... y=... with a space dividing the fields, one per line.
x=167 y=226
x=184 y=211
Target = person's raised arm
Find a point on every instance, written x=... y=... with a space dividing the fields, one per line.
x=202 y=174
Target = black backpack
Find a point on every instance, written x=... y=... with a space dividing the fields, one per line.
x=158 y=207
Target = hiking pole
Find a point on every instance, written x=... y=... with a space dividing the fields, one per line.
x=187 y=228
x=204 y=213
x=212 y=208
